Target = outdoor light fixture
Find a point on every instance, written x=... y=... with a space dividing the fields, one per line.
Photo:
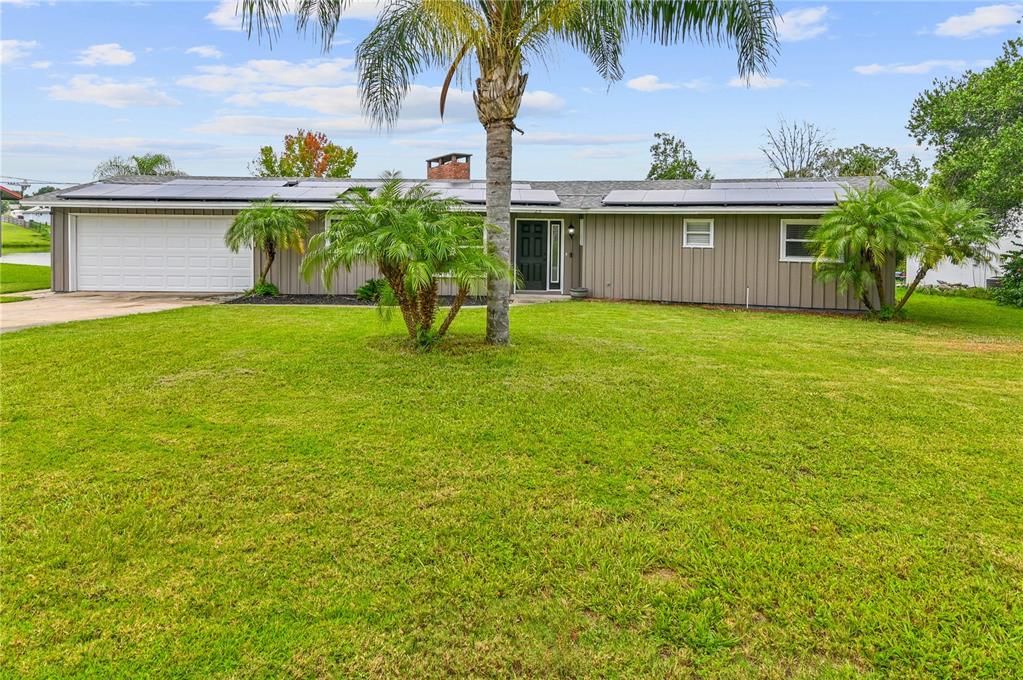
x=571 y=231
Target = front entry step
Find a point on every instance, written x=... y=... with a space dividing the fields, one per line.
x=533 y=298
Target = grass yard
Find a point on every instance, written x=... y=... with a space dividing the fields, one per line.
x=16 y=278
x=631 y=490
x=17 y=239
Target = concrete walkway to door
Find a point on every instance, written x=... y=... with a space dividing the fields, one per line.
x=47 y=308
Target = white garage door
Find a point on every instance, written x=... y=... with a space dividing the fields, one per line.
x=146 y=253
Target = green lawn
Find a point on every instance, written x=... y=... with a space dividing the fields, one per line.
x=22 y=240
x=15 y=278
x=630 y=490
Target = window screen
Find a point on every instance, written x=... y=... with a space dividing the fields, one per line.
x=698 y=234
x=797 y=240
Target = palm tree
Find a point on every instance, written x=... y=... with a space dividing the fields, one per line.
x=956 y=231
x=414 y=237
x=146 y=164
x=860 y=236
x=270 y=228
x=501 y=39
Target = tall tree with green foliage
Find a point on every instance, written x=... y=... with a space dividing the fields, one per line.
x=864 y=160
x=134 y=166
x=414 y=237
x=975 y=124
x=271 y=228
x=671 y=159
x=305 y=154
x=497 y=41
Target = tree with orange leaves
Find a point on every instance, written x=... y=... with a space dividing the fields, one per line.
x=305 y=154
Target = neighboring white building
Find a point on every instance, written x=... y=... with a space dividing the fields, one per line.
x=968 y=273
x=37 y=214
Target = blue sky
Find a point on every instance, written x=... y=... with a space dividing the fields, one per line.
x=82 y=81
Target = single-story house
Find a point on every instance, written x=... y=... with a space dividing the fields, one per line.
x=722 y=242
x=973 y=274
x=37 y=213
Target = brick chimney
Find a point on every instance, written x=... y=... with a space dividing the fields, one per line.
x=449 y=166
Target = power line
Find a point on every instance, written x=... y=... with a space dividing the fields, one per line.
x=10 y=179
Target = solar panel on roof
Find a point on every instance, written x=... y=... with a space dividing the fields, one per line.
x=319 y=184
x=537 y=196
x=224 y=181
x=95 y=190
x=721 y=196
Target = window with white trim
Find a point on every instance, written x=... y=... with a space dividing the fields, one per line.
x=795 y=240
x=554 y=254
x=698 y=234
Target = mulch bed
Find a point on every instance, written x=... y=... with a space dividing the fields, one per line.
x=341 y=300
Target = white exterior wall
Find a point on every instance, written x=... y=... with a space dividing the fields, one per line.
x=968 y=273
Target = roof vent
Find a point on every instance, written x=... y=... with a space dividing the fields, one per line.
x=292 y=183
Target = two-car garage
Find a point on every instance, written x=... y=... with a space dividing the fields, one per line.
x=172 y=253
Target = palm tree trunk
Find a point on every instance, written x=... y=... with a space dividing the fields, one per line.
x=456 y=305
x=406 y=306
x=497 y=97
x=270 y=253
x=912 y=287
x=499 y=177
x=428 y=306
x=879 y=285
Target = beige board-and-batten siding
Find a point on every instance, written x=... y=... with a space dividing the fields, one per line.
x=640 y=257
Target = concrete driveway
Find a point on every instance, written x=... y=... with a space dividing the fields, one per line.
x=47 y=308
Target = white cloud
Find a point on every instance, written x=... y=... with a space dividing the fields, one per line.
x=981 y=21
x=279 y=125
x=41 y=64
x=225 y=14
x=910 y=69
x=652 y=83
x=578 y=138
x=270 y=73
x=536 y=101
x=757 y=82
x=649 y=83
x=108 y=54
x=14 y=50
x=205 y=51
x=44 y=142
x=600 y=153
x=801 y=24
x=91 y=89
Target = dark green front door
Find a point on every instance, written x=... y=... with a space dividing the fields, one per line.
x=531 y=254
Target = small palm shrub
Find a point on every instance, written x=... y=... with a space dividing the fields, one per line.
x=413 y=236
x=859 y=237
x=265 y=289
x=1010 y=293
x=372 y=291
x=868 y=230
x=271 y=229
